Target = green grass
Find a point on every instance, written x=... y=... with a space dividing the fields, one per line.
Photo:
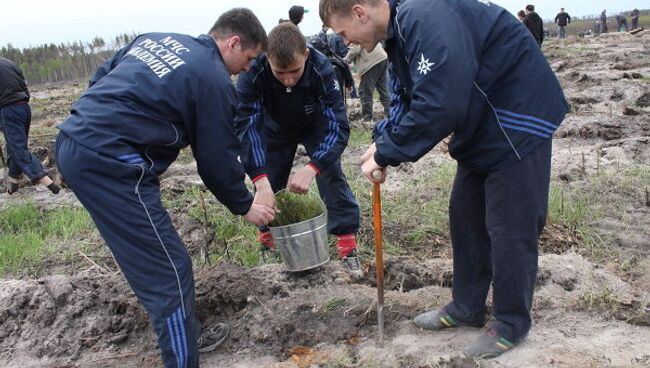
x=185 y=156
x=231 y=237
x=607 y=193
x=413 y=217
x=360 y=137
x=30 y=234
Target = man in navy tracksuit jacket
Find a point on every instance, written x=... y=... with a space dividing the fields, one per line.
x=161 y=93
x=290 y=96
x=470 y=69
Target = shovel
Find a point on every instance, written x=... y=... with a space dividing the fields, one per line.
x=379 y=256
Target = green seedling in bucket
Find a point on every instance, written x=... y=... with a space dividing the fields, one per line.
x=296 y=208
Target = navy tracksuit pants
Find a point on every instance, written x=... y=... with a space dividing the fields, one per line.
x=495 y=222
x=123 y=200
x=15 y=120
x=342 y=207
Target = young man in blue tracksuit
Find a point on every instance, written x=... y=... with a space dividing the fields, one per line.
x=161 y=93
x=290 y=96
x=469 y=68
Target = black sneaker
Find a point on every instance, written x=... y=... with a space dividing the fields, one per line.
x=212 y=336
x=352 y=265
x=12 y=187
x=489 y=345
x=436 y=320
x=54 y=188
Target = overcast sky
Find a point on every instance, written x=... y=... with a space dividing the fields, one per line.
x=29 y=23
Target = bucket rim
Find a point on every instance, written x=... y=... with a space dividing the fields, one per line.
x=299 y=223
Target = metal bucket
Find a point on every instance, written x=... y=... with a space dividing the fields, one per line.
x=303 y=245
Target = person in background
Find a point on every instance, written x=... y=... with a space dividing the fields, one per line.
x=621 y=22
x=372 y=67
x=634 y=15
x=534 y=24
x=322 y=35
x=290 y=96
x=562 y=19
x=521 y=15
x=161 y=93
x=297 y=13
x=603 y=21
x=15 y=121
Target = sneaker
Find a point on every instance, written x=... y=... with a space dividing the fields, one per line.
x=54 y=188
x=488 y=345
x=352 y=265
x=437 y=320
x=265 y=238
x=212 y=336
x=11 y=184
x=12 y=187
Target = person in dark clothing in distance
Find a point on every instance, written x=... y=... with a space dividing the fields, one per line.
x=634 y=15
x=621 y=23
x=521 y=15
x=603 y=21
x=562 y=19
x=297 y=13
x=15 y=121
x=535 y=24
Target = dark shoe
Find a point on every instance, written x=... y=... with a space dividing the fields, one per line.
x=212 y=336
x=54 y=188
x=265 y=238
x=352 y=265
x=488 y=345
x=12 y=187
x=436 y=320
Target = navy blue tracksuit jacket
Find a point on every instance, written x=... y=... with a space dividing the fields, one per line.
x=468 y=68
x=161 y=93
x=272 y=119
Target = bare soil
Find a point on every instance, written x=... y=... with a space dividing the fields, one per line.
x=588 y=312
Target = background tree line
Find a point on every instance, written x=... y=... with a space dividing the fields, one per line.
x=64 y=62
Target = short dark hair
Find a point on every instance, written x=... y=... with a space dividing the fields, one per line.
x=296 y=13
x=243 y=23
x=521 y=14
x=530 y=7
x=285 y=41
x=328 y=8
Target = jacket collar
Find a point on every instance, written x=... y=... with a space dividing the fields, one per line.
x=210 y=42
x=390 y=32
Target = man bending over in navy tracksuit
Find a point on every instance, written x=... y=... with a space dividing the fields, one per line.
x=161 y=93
x=468 y=67
x=290 y=96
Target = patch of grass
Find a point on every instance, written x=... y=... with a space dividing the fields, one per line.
x=334 y=303
x=185 y=156
x=413 y=217
x=418 y=214
x=29 y=234
x=231 y=236
x=608 y=193
x=360 y=137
